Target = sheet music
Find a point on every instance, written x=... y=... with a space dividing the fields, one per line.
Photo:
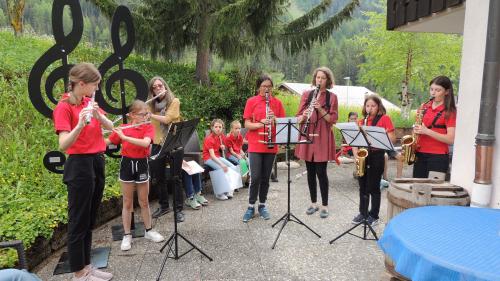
x=378 y=138
x=282 y=131
x=191 y=167
x=352 y=135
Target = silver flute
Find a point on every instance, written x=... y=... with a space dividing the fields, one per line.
x=148 y=101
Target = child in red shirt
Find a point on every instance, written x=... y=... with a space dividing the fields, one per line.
x=369 y=183
x=213 y=152
x=78 y=122
x=134 y=169
x=234 y=144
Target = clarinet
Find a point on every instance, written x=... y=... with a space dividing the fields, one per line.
x=310 y=108
x=269 y=127
x=222 y=150
x=90 y=105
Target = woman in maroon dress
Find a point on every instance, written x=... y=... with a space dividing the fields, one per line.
x=318 y=111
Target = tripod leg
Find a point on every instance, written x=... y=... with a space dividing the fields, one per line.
x=285 y=221
x=282 y=218
x=300 y=222
x=349 y=230
x=194 y=246
x=372 y=231
x=169 y=243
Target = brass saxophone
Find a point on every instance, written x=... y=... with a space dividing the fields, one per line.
x=361 y=156
x=409 y=142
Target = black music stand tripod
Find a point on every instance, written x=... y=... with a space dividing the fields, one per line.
x=289 y=125
x=368 y=137
x=177 y=137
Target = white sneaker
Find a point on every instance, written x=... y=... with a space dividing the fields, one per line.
x=154 y=236
x=126 y=243
x=87 y=277
x=221 y=196
x=100 y=274
x=229 y=194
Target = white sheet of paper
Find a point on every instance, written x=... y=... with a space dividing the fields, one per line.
x=191 y=167
x=378 y=138
x=282 y=130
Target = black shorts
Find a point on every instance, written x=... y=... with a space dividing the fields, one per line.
x=134 y=170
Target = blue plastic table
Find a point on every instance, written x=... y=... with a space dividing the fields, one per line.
x=445 y=243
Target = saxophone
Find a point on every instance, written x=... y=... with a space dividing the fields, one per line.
x=409 y=142
x=361 y=156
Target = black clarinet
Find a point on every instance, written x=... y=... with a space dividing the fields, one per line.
x=310 y=107
x=269 y=126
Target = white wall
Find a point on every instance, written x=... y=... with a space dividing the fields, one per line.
x=471 y=74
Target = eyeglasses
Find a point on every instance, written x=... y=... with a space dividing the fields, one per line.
x=159 y=86
x=266 y=86
x=141 y=114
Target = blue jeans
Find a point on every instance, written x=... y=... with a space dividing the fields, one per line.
x=214 y=166
x=17 y=275
x=233 y=159
x=192 y=183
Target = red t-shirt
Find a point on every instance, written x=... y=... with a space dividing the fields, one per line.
x=427 y=144
x=384 y=122
x=236 y=143
x=90 y=139
x=212 y=141
x=132 y=150
x=255 y=110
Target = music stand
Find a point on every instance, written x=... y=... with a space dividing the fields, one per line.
x=287 y=133
x=173 y=148
x=369 y=137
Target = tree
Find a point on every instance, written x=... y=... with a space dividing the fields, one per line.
x=393 y=57
x=15 y=9
x=229 y=28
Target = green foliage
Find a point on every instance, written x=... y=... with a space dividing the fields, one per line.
x=386 y=54
x=33 y=200
x=8 y=258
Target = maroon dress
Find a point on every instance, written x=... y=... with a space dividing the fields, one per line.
x=322 y=149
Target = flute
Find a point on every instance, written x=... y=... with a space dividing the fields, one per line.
x=129 y=126
x=148 y=101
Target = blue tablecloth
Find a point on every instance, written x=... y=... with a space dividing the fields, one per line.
x=445 y=243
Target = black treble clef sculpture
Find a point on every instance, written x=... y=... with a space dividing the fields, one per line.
x=64 y=45
x=121 y=52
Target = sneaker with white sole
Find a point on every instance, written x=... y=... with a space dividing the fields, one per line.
x=229 y=194
x=221 y=196
x=154 y=236
x=191 y=202
x=87 y=277
x=100 y=274
x=126 y=242
x=200 y=199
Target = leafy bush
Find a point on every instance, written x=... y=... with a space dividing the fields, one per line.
x=33 y=201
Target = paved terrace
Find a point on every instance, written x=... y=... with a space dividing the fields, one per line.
x=242 y=251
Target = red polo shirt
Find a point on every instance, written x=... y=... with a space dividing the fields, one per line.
x=427 y=144
x=212 y=141
x=234 y=142
x=255 y=110
x=90 y=139
x=131 y=150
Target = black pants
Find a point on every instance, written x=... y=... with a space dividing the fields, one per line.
x=84 y=178
x=426 y=162
x=163 y=181
x=317 y=169
x=369 y=184
x=261 y=165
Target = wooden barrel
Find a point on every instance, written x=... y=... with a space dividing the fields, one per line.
x=405 y=193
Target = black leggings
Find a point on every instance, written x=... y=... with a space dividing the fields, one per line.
x=84 y=178
x=369 y=184
x=317 y=169
x=426 y=162
x=261 y=165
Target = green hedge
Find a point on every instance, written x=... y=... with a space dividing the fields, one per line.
x=33 y=201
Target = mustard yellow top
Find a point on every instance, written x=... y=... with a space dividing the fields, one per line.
x=172 y=115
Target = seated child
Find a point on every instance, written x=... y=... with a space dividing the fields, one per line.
x=212 y=155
